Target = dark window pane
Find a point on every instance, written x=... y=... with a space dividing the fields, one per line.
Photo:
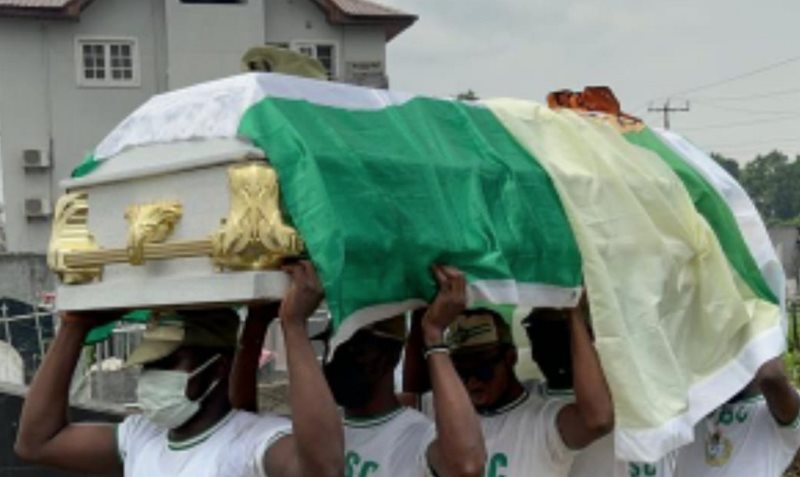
x=127 y=74
x=125 y=50
x=101 y=74
x=89 y=74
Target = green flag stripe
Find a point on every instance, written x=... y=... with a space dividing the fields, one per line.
x=380 y=195
x=89 y=164
x=713 y=207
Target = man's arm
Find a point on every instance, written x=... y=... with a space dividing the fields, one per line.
x=243 y=392
x=782 y=398
x=591 y=416
x=45 y=434
x=459 y=449
x=316 y=446
x=416 y=381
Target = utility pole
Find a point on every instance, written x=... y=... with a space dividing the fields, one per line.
x=667 y=109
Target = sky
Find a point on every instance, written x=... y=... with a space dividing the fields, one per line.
x=647 y=51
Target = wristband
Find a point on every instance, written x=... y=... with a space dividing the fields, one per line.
x=439 y=348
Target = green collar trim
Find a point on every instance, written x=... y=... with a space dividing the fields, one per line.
x=508 y=407
x=558 y=392
x=749 y=400
x=374 y=421
x=200 y=438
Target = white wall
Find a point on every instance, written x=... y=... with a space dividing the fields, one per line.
x=289 y=21
x=206 y=41
x=42 y=107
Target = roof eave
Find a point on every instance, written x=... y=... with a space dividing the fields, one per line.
x=69 y=12
x=393 y=24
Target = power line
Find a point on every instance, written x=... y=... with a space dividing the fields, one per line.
x=741 y=123
x=740 y=76
x=731 y=79
x=745 y=110
x=769 y=94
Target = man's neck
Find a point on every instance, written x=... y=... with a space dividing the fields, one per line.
x=512 y=393
x=211 y=412
x=383 y=401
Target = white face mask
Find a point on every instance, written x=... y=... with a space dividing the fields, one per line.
x=162 y=395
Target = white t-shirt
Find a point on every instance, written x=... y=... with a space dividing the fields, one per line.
x=394 y=445
x=749 y=443
x=234 y=447
x=597 y=459
x=522 y=439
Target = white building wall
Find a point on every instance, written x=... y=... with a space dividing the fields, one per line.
x=295 y=21
x=206 y=41
x=42 y=106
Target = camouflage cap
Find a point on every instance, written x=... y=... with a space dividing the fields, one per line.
x=478 y=330
x=167 y=332
x=391 y=328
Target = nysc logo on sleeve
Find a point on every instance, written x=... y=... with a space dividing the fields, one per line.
x=355 y=466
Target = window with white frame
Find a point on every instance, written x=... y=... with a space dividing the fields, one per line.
x=325 y=53
x=107 y=62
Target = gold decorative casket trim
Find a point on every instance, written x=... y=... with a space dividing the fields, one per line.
x=150 y=224
x=253 y=236
x=71 y=235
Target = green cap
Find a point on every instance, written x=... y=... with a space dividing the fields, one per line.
x=167 y=332
x=478 y=331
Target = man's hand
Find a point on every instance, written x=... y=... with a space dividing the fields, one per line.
x=304 y=295
x=90 y=319
x=450 y=302
x=263 y=311
x=782 y=398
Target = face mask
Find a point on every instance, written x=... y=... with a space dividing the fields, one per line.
x=162 y=395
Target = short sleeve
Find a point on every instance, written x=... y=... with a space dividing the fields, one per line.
x=132 y=434
x=789 y=434
x=557 y=450
x=256 y=435
x=426 y=440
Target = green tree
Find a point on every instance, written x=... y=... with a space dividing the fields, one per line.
x=772 y=181
x=728 y=164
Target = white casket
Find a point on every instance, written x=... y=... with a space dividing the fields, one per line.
x=203 y=227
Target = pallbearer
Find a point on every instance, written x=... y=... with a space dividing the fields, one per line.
x=382 y=437
x=187 y=427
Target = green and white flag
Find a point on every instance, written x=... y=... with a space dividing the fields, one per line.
x=529 y=202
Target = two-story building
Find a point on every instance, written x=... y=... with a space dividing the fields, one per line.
x=71 y=69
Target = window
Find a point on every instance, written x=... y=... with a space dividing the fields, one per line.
x=107 y=62
x=213 y=1
x=324 y=52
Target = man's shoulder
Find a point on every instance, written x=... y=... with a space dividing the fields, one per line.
x=244 y=422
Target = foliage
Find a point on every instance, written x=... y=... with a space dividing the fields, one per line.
x=773 y=183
